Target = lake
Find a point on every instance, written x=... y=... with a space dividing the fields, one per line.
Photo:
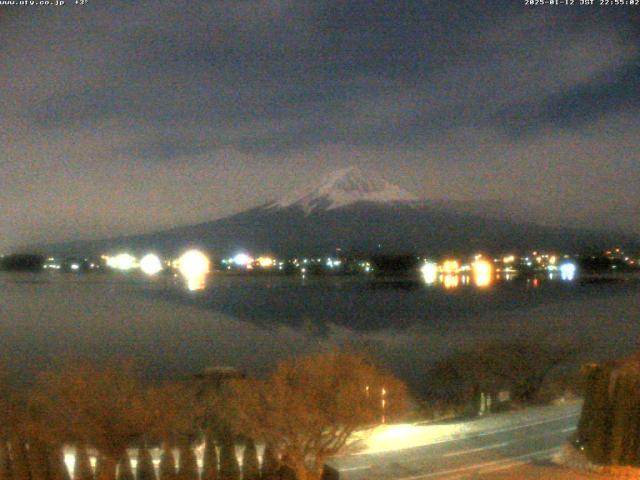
x=251 y=322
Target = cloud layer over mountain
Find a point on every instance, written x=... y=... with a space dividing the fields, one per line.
x=123 y=117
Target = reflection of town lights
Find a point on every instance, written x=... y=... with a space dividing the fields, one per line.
x=567 y=271
x=193 y=263
x=150 y=264
x=122 y=261
x=196 y=283
x=450 y=281
x=194 y=266
x=482 y=273
x=429 y=273
x=242 y=259
x=266 y=262
x=450 y=267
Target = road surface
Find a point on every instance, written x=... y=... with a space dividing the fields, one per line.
x=475 y=449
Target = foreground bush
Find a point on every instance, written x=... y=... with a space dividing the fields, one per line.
x=609 y=427
x=308 y=409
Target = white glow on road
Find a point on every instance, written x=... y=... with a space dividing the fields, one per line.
x=387 y=438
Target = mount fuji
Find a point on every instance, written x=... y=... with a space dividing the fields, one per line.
x=356 y=212
x=345 y=187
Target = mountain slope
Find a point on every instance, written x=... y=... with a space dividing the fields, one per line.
x=359 y=213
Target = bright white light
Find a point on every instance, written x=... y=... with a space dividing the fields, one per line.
x=567 y=271
x=122 y=261
x=194 y=266
x=193 y=263
x=75 y=266
x=429 y=273
x=242 y=259
x=150 y=264
x=332 y=263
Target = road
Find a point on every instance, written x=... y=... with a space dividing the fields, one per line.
x=472 y=450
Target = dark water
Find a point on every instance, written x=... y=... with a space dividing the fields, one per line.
x=368 y=305
x=251 y=322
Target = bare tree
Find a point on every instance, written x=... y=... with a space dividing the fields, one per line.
x=38 y=455
x=310 y=406
x=167 y=468
x=57 y=466
x=5 y=461
x=144 y=468
x=100 y=467
x=250 y=465
x=101 y=407
x=210 y=460
x=270 y=464
x=20 y=459
x=82 y=466
x=229 y=468
x=124 y=467
x=188 y=465
x=14 y=464
x=173 y=411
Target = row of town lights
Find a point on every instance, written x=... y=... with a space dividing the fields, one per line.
x=193 y=265
x=482 y=270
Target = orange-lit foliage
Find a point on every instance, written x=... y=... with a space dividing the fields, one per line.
x=310 y=406
x=84 y=404
x=173 y=410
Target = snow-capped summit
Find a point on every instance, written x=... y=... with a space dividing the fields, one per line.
x=344 y=187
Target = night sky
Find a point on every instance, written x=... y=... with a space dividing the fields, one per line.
x=122 y=117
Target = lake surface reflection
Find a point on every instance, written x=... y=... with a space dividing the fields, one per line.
x=369 y=304
x=252 y=322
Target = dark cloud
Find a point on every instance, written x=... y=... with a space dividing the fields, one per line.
x=119 y=89
x=581 y=104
